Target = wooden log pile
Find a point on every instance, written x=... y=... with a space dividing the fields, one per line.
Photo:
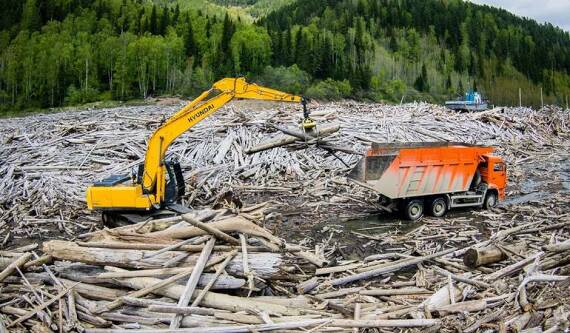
x=224 y=268
x=47 y=161
x=230 y=274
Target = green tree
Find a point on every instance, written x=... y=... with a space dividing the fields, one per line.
x=251 y=50
x=31 y=20
x=164 y=21
x=422 y=83
x=154 y=29
x=189 y=42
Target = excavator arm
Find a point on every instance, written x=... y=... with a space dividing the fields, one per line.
x=150 y=191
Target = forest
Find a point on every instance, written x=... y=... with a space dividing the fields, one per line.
x=66 y=52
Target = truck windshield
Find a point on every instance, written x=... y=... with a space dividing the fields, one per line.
x=498 y=167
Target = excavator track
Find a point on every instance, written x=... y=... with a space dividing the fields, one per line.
x=114 y=219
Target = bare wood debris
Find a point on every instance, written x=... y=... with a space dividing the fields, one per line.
x=227 y=267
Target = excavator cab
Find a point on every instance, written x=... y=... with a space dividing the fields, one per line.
x=175 y=187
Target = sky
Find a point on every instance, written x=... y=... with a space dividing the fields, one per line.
x=556 y=12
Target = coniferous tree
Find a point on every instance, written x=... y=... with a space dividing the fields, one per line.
x=176 y=14
x=164 y=21
x=224 y=62
x=288 y=52
x=31 y=20
x=154 y=21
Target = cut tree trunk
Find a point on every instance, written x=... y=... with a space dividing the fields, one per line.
x=211 y=299
x=475 y=257
x=267 y=265
x=232 y=224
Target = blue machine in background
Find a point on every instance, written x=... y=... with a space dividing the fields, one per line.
x=473 y=101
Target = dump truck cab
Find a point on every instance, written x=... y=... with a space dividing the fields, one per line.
x=493 y=172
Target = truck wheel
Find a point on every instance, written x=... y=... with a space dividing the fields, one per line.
x=490 y=200
x=414 y=210
x=438 y=207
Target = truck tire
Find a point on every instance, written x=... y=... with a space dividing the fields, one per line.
x=490 y=200
x=414 y=210
x=438 y=207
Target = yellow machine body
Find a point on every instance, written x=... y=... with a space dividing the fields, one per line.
x=149 y=191
x=120 y=197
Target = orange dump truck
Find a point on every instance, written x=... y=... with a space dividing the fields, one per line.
x=432 y=177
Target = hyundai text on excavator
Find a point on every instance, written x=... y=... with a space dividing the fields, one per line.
x=158 y=183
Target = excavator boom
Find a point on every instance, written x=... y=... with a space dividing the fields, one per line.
x=149 y=188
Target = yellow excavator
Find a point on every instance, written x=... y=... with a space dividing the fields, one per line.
x=158 y=183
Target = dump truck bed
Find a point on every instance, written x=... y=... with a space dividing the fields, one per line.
x=419 y=169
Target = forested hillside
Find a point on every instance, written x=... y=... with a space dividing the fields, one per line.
x=65 y=52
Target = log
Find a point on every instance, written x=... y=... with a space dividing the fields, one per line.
x=233 y=224
x=15 y=264
x=224 y=282
x=339 y=293
x=142 y=292
x=312 y=258
x=43 y=306
x=322 y=132
x=307 y=285
x=384 y=323
x=488 y=318
x=267 y=265
x=188 y=310
x=558 y=247
x=175 y=246
x=93 y=291
x=193 y=280
x=518 y=323
x=188 y=248
x=211 y=299
x=441 y=298
x=246 y=271
x=387 y=269
x=345 y=323
x=475 y=257
x=214 y=279
x=511 y=268
x=38 y=262
x=337 y=269
x=468 y=306
x=210 y=229
x=357 y=312
x=393 y=292
x=220 y=329
x=463 y=279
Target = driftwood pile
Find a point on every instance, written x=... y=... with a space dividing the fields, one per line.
x=226 y=270
x=222 y=271
x=47 y=161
